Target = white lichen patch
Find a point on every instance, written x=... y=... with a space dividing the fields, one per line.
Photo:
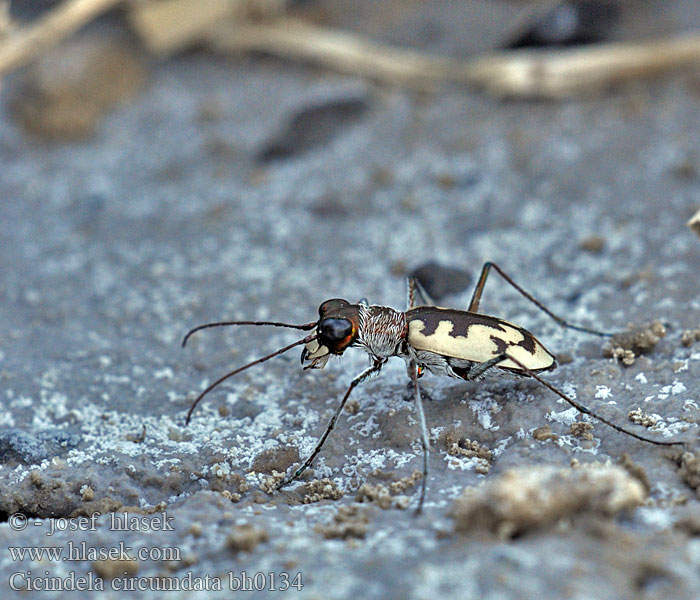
x=678 y=387
x=484 y=409
x=164 y=373
x=364 y=462
x=7 y=419
x=690 y=405
x=565 y=417
x=680 y=365
x=466 y=463
x=367 y=428
x=603 y=392
x=118 y=379
x=399 y=458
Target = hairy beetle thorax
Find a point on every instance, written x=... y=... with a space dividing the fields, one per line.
x=382 y=331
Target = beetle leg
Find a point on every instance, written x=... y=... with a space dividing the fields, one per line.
x=411 y=287
x=408 y=392
x=476 y=298
x=416 y=289
x=425 y=441
x=375 y=368
x=580 y=407
x=477 y=371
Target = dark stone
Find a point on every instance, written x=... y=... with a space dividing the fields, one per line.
x=314 y=126
x=569 y=23
x=439 y=281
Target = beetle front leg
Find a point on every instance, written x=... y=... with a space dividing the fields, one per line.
x=408 y=393
x=375 y=368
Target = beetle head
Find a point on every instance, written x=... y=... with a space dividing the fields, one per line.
x=337 y=330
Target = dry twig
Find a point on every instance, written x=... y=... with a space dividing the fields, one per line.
x=171 y=25
x=694 y=223
x=581 y=71
x=523 y=73
x=168 y=25
x=24 y=44
x=339 y=50
x=6 y=23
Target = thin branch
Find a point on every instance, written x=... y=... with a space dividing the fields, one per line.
x=166 y=26
x=694 y=223
x=339 y=50
x=24 y=44
x=523 y=73
x=580 y=71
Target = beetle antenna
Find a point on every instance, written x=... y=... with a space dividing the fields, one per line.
x=305 y=340
x=304 y=327
x=585 y=410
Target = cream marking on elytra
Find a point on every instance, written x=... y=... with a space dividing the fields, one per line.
x=481 y=343
x=466 y=345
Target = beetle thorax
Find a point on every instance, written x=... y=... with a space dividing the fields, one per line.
x=382 y=331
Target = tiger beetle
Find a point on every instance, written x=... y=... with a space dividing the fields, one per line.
x=463 y=344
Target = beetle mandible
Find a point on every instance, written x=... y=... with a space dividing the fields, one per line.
x=461 y=344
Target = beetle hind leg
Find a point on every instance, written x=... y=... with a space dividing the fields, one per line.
x=476 y=299
x=473 y=371
x=580 y=407
x=470 y=370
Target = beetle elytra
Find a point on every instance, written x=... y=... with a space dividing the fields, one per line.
x=461 y=344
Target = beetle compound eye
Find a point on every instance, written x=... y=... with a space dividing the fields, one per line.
x=335 y=330
x=332 y=305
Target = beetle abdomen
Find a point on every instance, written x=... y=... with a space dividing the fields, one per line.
x=475 y=337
